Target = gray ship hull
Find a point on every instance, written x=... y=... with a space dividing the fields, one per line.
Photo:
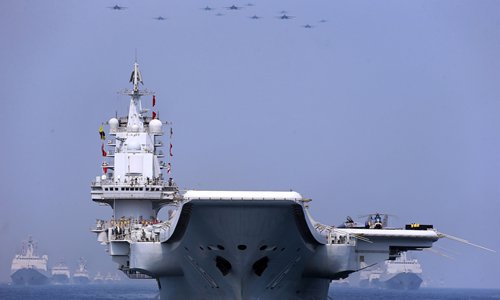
x=240 y=250
x=29 y=277
x=60 y=279
x=403 y=281
x=81 y=280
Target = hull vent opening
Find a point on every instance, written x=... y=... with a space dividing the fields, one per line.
x=223 y=265
x=260 y=266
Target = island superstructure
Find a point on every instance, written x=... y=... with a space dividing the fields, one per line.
x=222 y=244
x=28 y=268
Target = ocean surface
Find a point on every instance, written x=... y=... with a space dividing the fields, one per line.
x=149 y=291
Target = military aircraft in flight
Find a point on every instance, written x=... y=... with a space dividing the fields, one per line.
x=208 y=8
x=117 y=7
x=234 y=7
x=255 y=17
x=160 y=18
x=285 y=17
x=322 y=21
x=308 y=26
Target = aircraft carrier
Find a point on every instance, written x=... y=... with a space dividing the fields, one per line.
x=28 y=268
x=220 y=244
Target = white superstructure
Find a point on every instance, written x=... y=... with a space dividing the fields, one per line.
x=402 y=264
x=28 y=259
x=221 y=244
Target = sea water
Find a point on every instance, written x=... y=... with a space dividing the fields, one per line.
x=150 y=291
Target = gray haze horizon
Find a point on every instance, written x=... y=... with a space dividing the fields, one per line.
x=388 y=106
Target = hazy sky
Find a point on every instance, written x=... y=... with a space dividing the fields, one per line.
x=389 y=106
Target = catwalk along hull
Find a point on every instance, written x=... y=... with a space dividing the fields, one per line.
x=403 y=281
x=29 y=277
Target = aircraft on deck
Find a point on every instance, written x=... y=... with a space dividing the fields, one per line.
x=373 y=221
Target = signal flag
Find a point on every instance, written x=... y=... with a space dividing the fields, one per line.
x=103 y=151
x=101 y=133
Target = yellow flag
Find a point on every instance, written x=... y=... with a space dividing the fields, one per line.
x=101 y=133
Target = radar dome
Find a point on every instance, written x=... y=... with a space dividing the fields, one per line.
x=113 y=124
x=135 y=128
x=133 y=146
x=155 y=126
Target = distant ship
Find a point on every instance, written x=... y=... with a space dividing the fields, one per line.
x=81 y=275
x=27 y=268
x=98 y=278
x=400 y=274
x=60 y=274
x=221 y=244
x=108 y=278
x=112 y=278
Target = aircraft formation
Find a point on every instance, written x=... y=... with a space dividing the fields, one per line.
x=282 y=15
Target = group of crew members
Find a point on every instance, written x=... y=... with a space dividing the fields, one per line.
x=137 y=230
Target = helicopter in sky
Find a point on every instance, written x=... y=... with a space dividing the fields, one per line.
x=117 y=7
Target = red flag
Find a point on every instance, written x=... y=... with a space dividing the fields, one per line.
x=154 y=115
x=154 y=100
x=103 y=151
x=105 y=168
x=171 y=150
x=169 y=168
